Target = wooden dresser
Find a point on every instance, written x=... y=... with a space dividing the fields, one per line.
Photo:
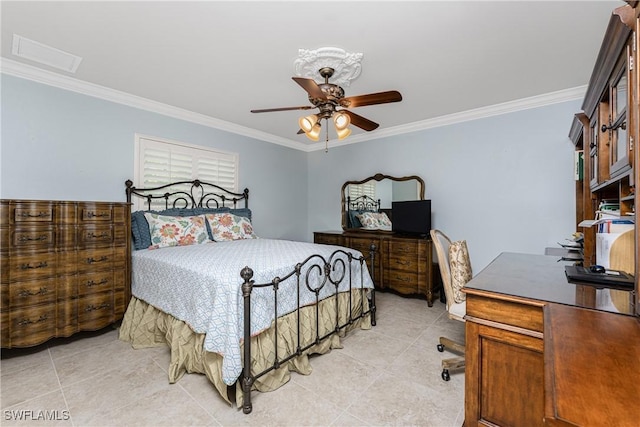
x=65 y=268
x=402 y=264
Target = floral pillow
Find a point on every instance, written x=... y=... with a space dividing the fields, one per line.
x=460 y=266
x=375 y=220
x=227 y=226
x=176 y=230
x=383 y=220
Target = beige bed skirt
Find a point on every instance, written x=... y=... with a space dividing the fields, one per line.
x=145 y=326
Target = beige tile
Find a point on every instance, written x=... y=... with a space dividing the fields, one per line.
x=93 y=399
x=82 y=341
x=45 y=410
x=337 y=377
x=290 y=405
x=21 y=358
x=204 y=393
x=399 y=402
x=169 y=406
x=375 y=349
x=114 y=355
x=26 y=379
x=348 y=420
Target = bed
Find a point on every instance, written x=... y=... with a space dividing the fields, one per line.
x=243 y=310
x=364 y=212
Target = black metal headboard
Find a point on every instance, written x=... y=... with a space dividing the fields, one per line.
x=193 y=194
x=363 y=202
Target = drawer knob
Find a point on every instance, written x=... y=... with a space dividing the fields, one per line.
x=36 y=215
x=25 y=293
x=25 y=322
x=93 y=260
x=103 y=235
x=401 y=262
x=41 y=264
x=32 y=239
x=91 y=283
x=92 y=214
x=403 y=279
x=92 y=307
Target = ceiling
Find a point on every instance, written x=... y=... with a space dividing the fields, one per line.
x=218 y=60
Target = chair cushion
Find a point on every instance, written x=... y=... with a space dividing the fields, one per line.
x=460 y=266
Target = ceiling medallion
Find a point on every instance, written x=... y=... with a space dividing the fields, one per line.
x=346 y=65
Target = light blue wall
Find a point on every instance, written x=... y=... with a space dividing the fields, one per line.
x=503 y=183
x=61 y=145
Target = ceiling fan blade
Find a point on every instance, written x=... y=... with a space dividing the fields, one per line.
x=268 y=110
x=300 y=132
x=311 y=87
x=371 y=99
x=360 y=121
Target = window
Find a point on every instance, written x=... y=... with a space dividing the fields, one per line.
x=366 y=189
x=160 y=162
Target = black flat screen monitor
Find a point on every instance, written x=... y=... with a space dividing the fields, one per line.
x=411 y=217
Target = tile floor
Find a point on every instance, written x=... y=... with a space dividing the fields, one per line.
x=389 y=375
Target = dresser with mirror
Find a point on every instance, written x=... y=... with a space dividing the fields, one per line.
x=403 y=261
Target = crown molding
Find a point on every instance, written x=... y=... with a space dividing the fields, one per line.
x=551 y=98
x=28 y=72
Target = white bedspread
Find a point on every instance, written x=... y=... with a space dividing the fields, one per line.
x=201 y=285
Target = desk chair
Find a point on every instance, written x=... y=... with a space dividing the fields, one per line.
x=455 y=310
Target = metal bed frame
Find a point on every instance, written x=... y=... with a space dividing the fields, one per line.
x=331 y=272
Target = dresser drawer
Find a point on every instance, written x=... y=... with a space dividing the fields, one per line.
x=327 y=239
x=33 y=237
x=28 y=293
x=95 y=212
x=402 y=247
x=364 y=245
x=31 y=326
x=101 y=281
x=407 y=263
x=96 y=311
x=30 y=267
x=96 y=259
x=25 y=212
x=401 y=281
x=93 y=235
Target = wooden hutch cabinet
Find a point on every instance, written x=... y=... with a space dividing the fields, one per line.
x=606 y=130
x=541 y=350
x=65 y=268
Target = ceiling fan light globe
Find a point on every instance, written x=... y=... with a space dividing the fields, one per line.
x=343 y=133
x=314 y=133
x=341 y=121
x=307 y=123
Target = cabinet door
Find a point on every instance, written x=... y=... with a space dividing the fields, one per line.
x=617 y=126
x=504 y=377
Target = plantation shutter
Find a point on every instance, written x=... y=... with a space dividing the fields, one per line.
x=162 y=162
x=366 y=189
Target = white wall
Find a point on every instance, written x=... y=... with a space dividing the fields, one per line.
x=503 y=183
x=62 y=145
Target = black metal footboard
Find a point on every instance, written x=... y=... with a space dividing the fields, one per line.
x=328 y=272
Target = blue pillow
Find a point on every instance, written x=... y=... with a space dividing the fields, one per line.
x=142 y=234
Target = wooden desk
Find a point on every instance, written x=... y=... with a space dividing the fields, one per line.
x=538 y=352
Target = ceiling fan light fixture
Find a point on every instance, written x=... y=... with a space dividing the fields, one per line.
x=341 y=121
x=307 y=123
x=314 y=133
x=343 y=133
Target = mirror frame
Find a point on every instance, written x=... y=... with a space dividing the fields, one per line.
x=376 y=177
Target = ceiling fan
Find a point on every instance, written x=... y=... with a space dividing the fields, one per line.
x=330 y=100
